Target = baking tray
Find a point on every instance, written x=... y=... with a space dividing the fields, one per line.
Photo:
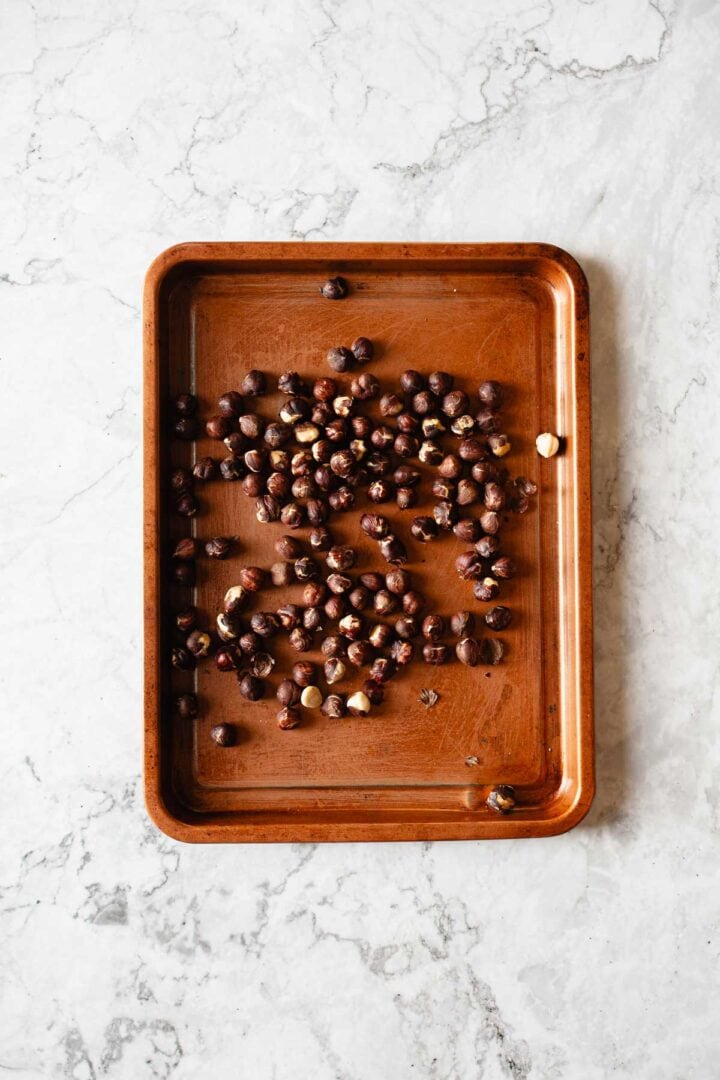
x=513 y=312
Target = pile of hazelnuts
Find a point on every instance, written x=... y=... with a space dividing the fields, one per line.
x=313 y=461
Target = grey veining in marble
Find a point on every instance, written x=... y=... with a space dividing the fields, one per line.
x=592 y=124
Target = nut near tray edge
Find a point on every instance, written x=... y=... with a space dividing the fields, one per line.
x=458 y=750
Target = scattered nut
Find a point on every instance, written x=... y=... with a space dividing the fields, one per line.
x=502 y=798
x=547 y=444
x=311 y=698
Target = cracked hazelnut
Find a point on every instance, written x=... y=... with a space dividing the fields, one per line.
x=352 y=626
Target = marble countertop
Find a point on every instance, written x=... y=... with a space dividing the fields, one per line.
x=591 y=124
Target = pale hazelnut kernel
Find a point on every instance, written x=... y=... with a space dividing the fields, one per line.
x=547 y=444
x=311 y=698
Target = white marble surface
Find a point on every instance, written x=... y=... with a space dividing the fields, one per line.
x=130 y=126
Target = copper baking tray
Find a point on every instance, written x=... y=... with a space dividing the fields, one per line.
x=513 y=312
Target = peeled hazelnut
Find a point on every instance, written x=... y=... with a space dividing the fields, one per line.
x=341 y=557
x=223 y=734
x=288 y=717
x=292 y=515
x=343 y=404
x=334 y=670
x=432 y=426
x=468 y=652
x=382 y=437
x=444 y=489
x=294 y=409
x=430 y=453
x=334 y=707
x=313 y=619
x=498 y=617
x=378 y=464
x=462 y=425
x=358 y=704
x=278 y=484
x=486 y=590
x=547 y=444
x=291 y=383
x=311 y=698
x=502 y=798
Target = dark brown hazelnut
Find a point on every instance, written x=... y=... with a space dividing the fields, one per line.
x=219 y=547
x=251 y=425
x=491 y=522
x=380 y=490
x=440 y=383
x=406 y=446
x=445 y=515
x=487 y=422
x=343 y=405
x=433 y=627
x=185 y=404
x=185 y=548
x=223 y=734
x=384 y=602
x=253 y=485
x=333 y=707
x=229 y=626
x=499 y=444
x=294 y=409
x=251 y=687
x=469 y=565
x=486 y=589
x=491 y=394
x=218 y=427
x=412 y=382
x=228 y=658
x=406 y=476
x=483 y=471
x=455 y=404
x=264 y=623
x=423 y=403
x=234 y=600
x=430 y=453
x=261 y=665
x=304 y=673
x=391 y=405
x=432 y=426
x=342 y=500
x=253 y=384
x=288 y=692
x=406 y=627
x=267 y=508
x=402 y=652
x=462 y=425
x=365 y=386
x=393 y=550
x=322 y=451
x=495 y=497
x=306 y=569
x=186 y=428
x=468 y=529
x=186 y=619
x=472 y=450
x=230 y=404
x=382 y=669
x=444 y=489
x=424 y=529
x=337 y=430
x=325 y=479
x=182 y=658
x=374 y=692
x=300 y=638
x=252 y=578
x=322 y=413
x=487 y=546
x=205 y=469
x=382 y=437
x=360 y=598
x=342 y=463
x=504 y=567
x=451 y=467
x=362 y=426
x=340 y=358
x=373 y=581
x=186 y=706
x=278 y=484
x=468 y=652
x=183 y=572
x=336 y=607
x=277 y=434
x=339 y=583
x=292 y=515
x=288 y=717
x=289 y=616
x=406 y=498
x=360 y=653
x=334 y=289
x=407 y=423
x=324 y=389
x=380 y=635
x=352 y=626
x=231 y=468
x=256 y=460
x=181 y=481
x=378 y=463
x=334 y=645
x=320 y=539
x=501 y=798
x=341 y=557
x=199 y=643
x=250 y=643
x=334 y=670
x=282 y=573
x=413 y=602
x=292 y=384
x=187 y=505
x=468 y=492
x=435 y=653
x=317 y=512
x=397 y=581
x=462 y=623
x=363 y=349
x=492 y=650
x=288 y=547
x=498 y=618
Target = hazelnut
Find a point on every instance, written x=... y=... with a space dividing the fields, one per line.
x=358 y=704
x=360 y=598
x=218 y=427
x=435 y=653
x=413 y=602
x=334 y=289
x=498 y=618
x=358 y=449
x=292 y=384
x=380 y=635
x=205 y=468
x=267 y=508
x=251 y=687
x=343 y=405
x=406 y=498
x=183 y=572
x=547 y=444
x=324 y=389
x=360 y=653
x=412 y=382
x=445 y=515
x=282 y=574
x=185 y=404
x=469 y=565
x=254 y=384
x=186 y=706
x=336 y=607
x=277 y=434
x=468 y=652
x=294 y=409
x=230 y=404
x=495 y=497
x=433 y=627
x=365 y=386
x=339 y=583
x=382 y=437
x=468 y=492
x=223 y=734
x=432 y=426
x=334 y=670
x=440 y=383
x=430 y=453
x=406 y=446
x=340 y=358
x=199 y=643
x=374 y=691
x=317 y=512
x=181 y=481
x=334 y=707
x=304 y=673
x=352 y=626
x=185 y=549
x=300 y=639
x=378 y=464
x=311 y=698
x=186 y=619
x=333 y=646
x=402 y=652
x=380 y=490
x=264 y=623
x=462 y=623
x=288 y=717
x=487 y=422
x=228 y=626
x=502 y=798
x=462 y=425
x=406 y=627
x=322 y=413
x=491 y=522
x=341 y=557
x=397 y=581
x=289 y=616
x=278 y=484
x=250 y=643
x=288 y=547
x=423 y=403
x=455 y=404
x=450 y=468
x=472 y=450
x=499 y=444
x=491 y=394
x=320 y=539
x=288 y=692
x=391 y=405
x=384 y=603
x=483 y=471
x=363 y=349
x=228 y=659
x=261 y=664
x=393 y=550
x=306 y=569
x=292 y=515
x=492 y=650
x=372 y=581
x=375 y=526
x=187 y=504
x=362 y=426
x=252 y=578
x=468 y=530
x=504 y=567
x=251 y=425
x=424 y=529
x=306 y=432
x=382 y=669
x=253 y=484
x=343 y=499
x=186 y=428
x=487 y=546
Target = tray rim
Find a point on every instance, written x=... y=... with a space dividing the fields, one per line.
x=192 y=827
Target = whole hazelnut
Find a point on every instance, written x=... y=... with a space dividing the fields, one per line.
x=384 y=603
x=483 y=471
x=430 y=453
x=181 y=481
x=380 y=490
x=380 y=635
x=185 y=549
x=185 y=404
x=205 y=468
x=339 y=583
x=183 y=572
x=468 y=492
x=407 y=423
x=333 y=645
x=340 y=358
x=492 y=650
x=250 y=643
x=289 y=616
x=362 y=426
x=292 y=515
x=413 y=602
x=373 y=691
x=294 y=409
x=292 y=384
x=334 y=289
x=472 y=450
x=382 y=437
x=363 y=349
x=218 y=427
x=343 y=405
x=358 y=704
x=277 y=434
x=325 y=478
x=491 y=522
x=352 y=626
x=320 y=539
x=412 y=382
x=324 y=389
x=360 y=653
x=199 y=643
x=341 y=500
x=288 y=692
x=423 y=403
x=282 y=574
x=365 y=386
x=499 y=444
x=311 y=698
x=397 y=581
x=402 y=652
x=219 y=547
x=487 y=546
x=230 y=404
x=186 y=619
x=186 y=428
x=314 y=593
x=462 y=623
x=228 y=658
x=455 y=404
x=278 y=484
x=469 y=565
x=228 y=626
x=341 y=557
x=424 y=529
x=406 y=627
x=306 y=569
x=182 y=659
x=375 y=526
x=433 y=627
x=468 y=529
x=435 y=653
x=487 y=422
x=382 y=669
x=378 y=464
x=253 y=484
x=495 y=497
x=406 y=498
x=391 y=405
x=445 y=515
x=300 y=639
x=450 y=468
x=253 y=384
x=251 y=687
x=334 y=670
x=288 y=717
x=336 y=607
x=372 y=581
x=304 y=673
x=288 y=547
x=187 y=505
x=468 y=652
x=498 y=618
x=393 y=550
x=223 y=734
x=186 y=706
x=264 y=623
x=261 y=664
x=360 y=598
x=440 y=383
x=406 y=446
x=322 y=413
x=501 y=798
x=504 y=567
x=251 y=425
x=491 y=394
x=334 y=707
x=317 y=512
x=444 y=489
